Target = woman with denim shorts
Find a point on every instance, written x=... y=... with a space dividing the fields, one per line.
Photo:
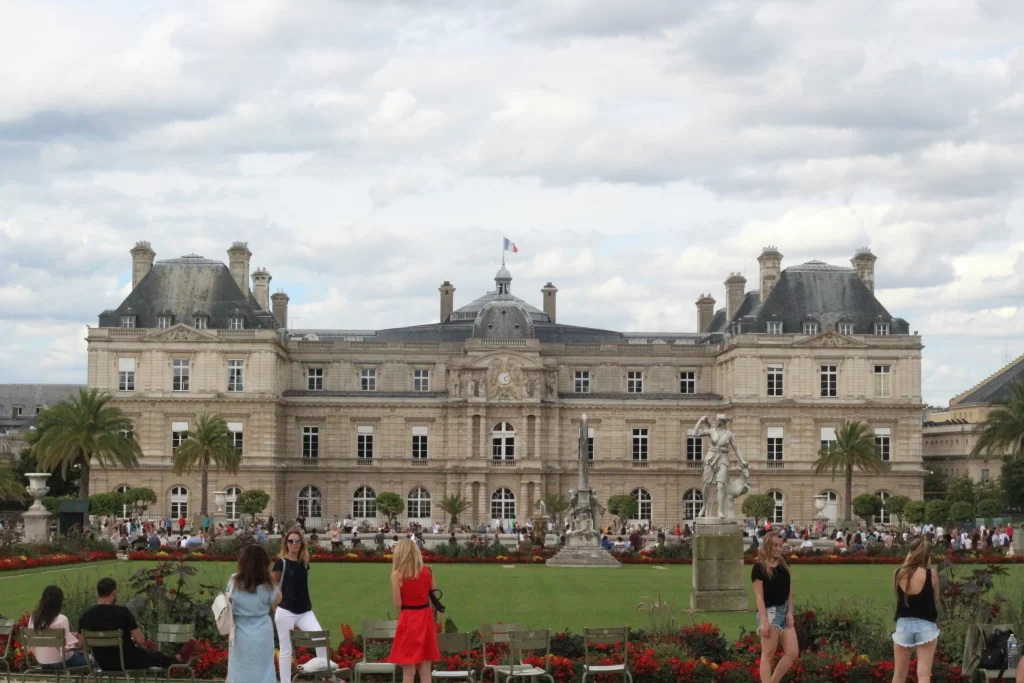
x=915 y=585
x=773 y=589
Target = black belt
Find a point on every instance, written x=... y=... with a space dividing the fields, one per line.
x=416 y=606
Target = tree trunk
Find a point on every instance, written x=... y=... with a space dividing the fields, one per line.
x=83 y=490
x=205 y=489
x=849 y=493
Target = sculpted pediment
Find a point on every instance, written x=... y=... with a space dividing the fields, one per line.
x=831 y=340
x=181 y=332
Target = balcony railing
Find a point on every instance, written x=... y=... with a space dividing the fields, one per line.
x=775 y=464
x=503 y=463
x=366 y=462
x=309 y=462
x=640 y=463
x=694 y=464
x=419 y=462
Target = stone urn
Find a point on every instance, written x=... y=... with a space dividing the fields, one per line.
x=820 y=502
x=37 y=488
x=220 y=499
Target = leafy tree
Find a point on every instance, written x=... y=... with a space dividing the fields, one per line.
x=962 y=490
x=252 y=502
x=866 y=506
x=210 y=445
x=758 y=506
x=915 y=512
x=962 y=512
x=897 y=505
x=454 y=505
x=1003 y=431
x=854 y=448
x=935 y=485
x=1011 y=481
x=11 y=487
x=390 y=505
x=623 y=507
x=937 y=512
x=82 y=431
x=138 y=500
x=556 y=505
x=989 y=508
x=110 y=504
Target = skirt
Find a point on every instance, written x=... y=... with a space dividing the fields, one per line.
x=415 y=638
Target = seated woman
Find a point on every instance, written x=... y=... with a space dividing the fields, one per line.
x=48 y=616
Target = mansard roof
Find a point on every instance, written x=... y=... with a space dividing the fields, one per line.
x=993 y=388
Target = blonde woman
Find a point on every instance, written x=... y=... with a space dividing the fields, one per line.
x=415 y=644
x=915 y=585
x=773 y=589
x=291 y=576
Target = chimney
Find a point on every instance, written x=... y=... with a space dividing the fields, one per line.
x=550 y=293
x=280 y=300
x=238 y=262
x=261 y=288
x=705 y=312
x=735 y=285
x=142 y=261
x=864 y=263
x=771 y=268
x=447 y=290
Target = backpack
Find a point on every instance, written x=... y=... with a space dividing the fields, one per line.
x=222 y=613
x=993 y=656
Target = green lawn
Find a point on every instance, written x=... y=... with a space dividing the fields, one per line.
x=535 y=596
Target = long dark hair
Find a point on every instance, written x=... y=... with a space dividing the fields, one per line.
x=917 y=558
x=50 y=605
x=253 y=569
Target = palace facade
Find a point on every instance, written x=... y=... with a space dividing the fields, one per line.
x=486 y=401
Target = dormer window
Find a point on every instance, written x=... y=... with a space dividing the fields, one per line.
x=236 y=323
x=774 y=327
x=810 y=328
x=163 y=321
x=200 y=322
x=128 y=321
x=881 y=328
x=844 y=328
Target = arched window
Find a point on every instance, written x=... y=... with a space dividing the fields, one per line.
x=310 y=503
x=229 y=502
x=883 y=516
x=418 y=504
x=179 y=502
x=503 y=505
x=125 y=510
x=503 y=442
x=693 y=504
x=831 y=511
x=779 y=513
x=644 y=504
x=364 y=503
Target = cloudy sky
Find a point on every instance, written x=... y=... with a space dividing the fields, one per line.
x=636 y=151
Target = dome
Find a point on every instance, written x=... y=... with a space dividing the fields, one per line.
x=503 y=319
x=503 y=274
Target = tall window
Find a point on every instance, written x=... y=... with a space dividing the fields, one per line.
x=640 y=444
x=315 y=379
x=985 y=478
x=235 y=375
x=179 y=502
x=503 y=442
x=694 y=447
x=364 y=503
x=581 y=382
x=883 y=440
x=688 y=382
x=779 y=513
x=590 y=443
x=368 y=379
x=828 y=438
x=774 y=449
x=775 y=386
x=181 y=368
x=310 y=503
x=201 y=322
x=364 y=443
x=163 y=322
x=644 y=504
x=126 y=374
x=310 y=442
x=128 y=321
x=421 y=380
x=237 y=436
x=810 y=328
x=883 y=516
x=883 y=381
x=829 y=381
x=179 y=432
x=693 y=504
x=503 y=505
x=419 y=443
x=774 y=327
x=231 y=501
x=418 y=504
x=634 y=382
x=845 y=328
x=236 y=323
x=882 y=328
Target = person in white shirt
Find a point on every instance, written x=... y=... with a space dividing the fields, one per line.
x=967 y=544
x=48 y=616
x=939 y=532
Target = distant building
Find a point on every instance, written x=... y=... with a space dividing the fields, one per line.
x=20 y=405
x=486 y=401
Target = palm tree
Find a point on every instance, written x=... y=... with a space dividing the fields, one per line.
x=854 y=448
x=11 y=487
x=83 y=429
x=1003 y=431
x=555 y=504
x=454 y=505
x=210 y=445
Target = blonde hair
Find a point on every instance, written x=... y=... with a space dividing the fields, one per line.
x=917 y=558
x=763 y=556
x=303 y=550
x=407 y=560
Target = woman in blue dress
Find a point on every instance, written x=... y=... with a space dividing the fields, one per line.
x=251 y=653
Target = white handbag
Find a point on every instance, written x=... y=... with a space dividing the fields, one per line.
x=222 y=613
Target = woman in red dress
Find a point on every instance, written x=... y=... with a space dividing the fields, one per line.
x=415 y=644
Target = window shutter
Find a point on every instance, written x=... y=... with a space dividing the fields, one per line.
x=776 y=432
x=126 y=364
x=179 y=426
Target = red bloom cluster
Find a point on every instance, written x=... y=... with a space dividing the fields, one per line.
x=536 y=557
x=23 y=562
x=861 y=557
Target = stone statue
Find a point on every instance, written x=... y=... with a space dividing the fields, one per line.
x=456 y=385
x=551 y=384
x=543 y=509
x=716 y=467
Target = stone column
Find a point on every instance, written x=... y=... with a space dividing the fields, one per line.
x=718 y=584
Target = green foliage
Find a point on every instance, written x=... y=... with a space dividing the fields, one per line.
x=556 y=505
x=109 y=504
x=758 y=506
x=160 y=595
x=915 y=512
x=962 y=512
x=661 y=612
x=390 y=504
x=454 y=505
x=897 y=506
x=1011 y=480
x=252 y=502
x=961 y=490
x=1003 y=431
x=11 y=487
x=968 y=597
x=139 y=500
x=937 y=512
x=935 y=485
x=853 y=449
x=866 y=506
x=623 y=508
x=210 y=445
x=989 y=508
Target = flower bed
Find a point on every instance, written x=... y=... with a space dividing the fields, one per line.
x=831 y=558
x=8 y=564
x=359 y=556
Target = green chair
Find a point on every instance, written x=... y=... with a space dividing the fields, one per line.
x=311 y=640
x=6 y=629
x=527 y=642
x=173 y=634
x=380 y=631
x=94 y=639
x=494 y=635
x=606 y=636
x=48 y=637
x=453 y=643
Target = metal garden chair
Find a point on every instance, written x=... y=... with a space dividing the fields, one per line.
x=520 y=642
x=6 y=629
x=173 y=634
x=381 y=631
x=94 y=639
x=606 y=636
x=493 y=634
x=311 y=640
x=453 y=643
x=48 y=637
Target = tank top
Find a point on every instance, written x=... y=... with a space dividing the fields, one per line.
x=919 y=605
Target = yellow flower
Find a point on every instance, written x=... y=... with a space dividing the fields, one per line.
x=352 y=555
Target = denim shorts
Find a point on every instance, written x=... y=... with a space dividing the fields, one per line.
x=776 y=616
x=911 y=632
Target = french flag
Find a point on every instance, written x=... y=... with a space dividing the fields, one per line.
x=510 y=246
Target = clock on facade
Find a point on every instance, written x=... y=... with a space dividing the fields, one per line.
x=505 y=378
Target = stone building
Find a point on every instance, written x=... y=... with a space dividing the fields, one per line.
x=486 y=401
x=20 y=405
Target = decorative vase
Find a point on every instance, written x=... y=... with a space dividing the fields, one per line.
x=37 y=488
x=219 y=499
x=820 y=501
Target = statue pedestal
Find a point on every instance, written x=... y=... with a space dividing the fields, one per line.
x=37 y=525
x=718 y=573
x=583 y=550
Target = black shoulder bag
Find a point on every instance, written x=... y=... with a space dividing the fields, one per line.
x=435 y=601
x=994 y=654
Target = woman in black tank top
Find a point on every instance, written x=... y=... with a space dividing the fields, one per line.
x=915 y=585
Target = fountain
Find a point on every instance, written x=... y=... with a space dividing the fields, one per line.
x=37 y=517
